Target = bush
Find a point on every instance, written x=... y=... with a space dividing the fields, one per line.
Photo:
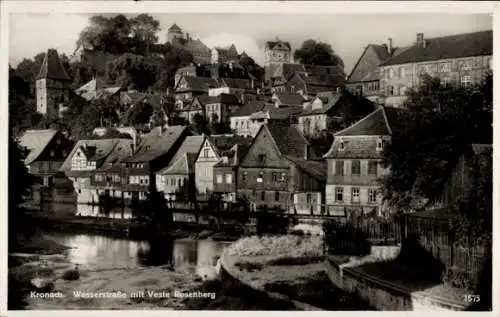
x=289 y=245
x=454 y=277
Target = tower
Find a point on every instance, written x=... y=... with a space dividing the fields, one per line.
x=52 y=85
x=277 y=52
x=174 y=32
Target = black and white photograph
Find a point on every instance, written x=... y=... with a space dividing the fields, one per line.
x=248 y=161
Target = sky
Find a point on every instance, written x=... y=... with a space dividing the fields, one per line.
x=348 y=34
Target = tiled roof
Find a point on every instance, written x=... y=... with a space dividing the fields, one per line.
x=227 y=99
x=234 y=155
x=36 y=141
x=155 y=144
x=317 y=169
x=109 y=151
x=197 y=46
x=281 y=113
x=272 y=44
x=180 y=162
x=289 y=140
x=454 y=46
x=250 y=108
x=290 y=99
x=355 y=148
x=235 y=83
x=285 y=71
x=329 y=100
x=224 y=142
x=376 y=123
x=96 y=89
x=52 y=67
x=201 y=84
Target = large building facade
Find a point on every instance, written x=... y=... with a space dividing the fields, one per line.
x=462 y=59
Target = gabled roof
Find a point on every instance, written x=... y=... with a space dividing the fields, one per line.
x=201 y=84
x=52 y=67
x=290 y=99
x=329 y=100
x=273 y=44
x=36 y=141
x=289 y=140
x=446 y=47
x=197 y=46
x=234 y=155
x=224 y=142
x=174 y=28
x=106 y=151
x=183 y=160
x=379 y=122
x=96 y=89
x=317 y=169
x=237 y=83
x=250 y=108
x=156 y=143
x=283 y=112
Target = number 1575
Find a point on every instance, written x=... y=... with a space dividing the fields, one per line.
x=472 y=298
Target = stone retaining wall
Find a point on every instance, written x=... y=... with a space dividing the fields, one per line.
x=384 y=295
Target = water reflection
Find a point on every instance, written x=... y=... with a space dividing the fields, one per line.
x=93 y=251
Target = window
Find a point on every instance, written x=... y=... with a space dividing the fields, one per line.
x=283 y=177
x=402 y=90
x=372 y=168
x=277 y=196
x=262 y=196
x=390 y=90
x=262 y=158
x=356 y=167
x=339 y=194
x=466 y=81
x=244 y=176
x=341 y=146
x=229 y=178
x=219 y=179
x=260 y=178
x=355 y=194
x=275 y=177
x=391 y=73
x=179 y=182
x=372 y=195
x=339 y=168
x=205 y=153
x=401 y=72
x=380 y=144
x=308 y=198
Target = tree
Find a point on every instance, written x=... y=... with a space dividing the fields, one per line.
x=139 y=113
x=439 y=124
x=134 y=71
x=251 y=66
x=144 y=29
x=199 y=123
x=317 y=53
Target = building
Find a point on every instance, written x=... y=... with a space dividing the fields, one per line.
x=275 y=111
x=226 y=171
x=234 y=86
x=462 y=59
x=154 y=152
x=241 y=123
x=52 y=85
x=364 y=79
x=219 y=108
x=47 y=151
x=328 y=107
x=177 y=180
x=354 y=164
x=209 y=156
x=277 y=171
x=190 y=86
x=94 y=168
x=277 y=75
x=277 y=52
x=174 y=32
x=98 y=89
x=309 y=86
x=223 y=54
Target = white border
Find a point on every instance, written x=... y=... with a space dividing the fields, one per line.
x=261 y=7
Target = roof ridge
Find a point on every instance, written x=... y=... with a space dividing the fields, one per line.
x=358 y=122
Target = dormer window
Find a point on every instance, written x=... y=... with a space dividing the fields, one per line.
x=342 y=145
x=380 y=145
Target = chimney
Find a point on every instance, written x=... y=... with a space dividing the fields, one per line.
x=389 y=46
x=420 y=40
